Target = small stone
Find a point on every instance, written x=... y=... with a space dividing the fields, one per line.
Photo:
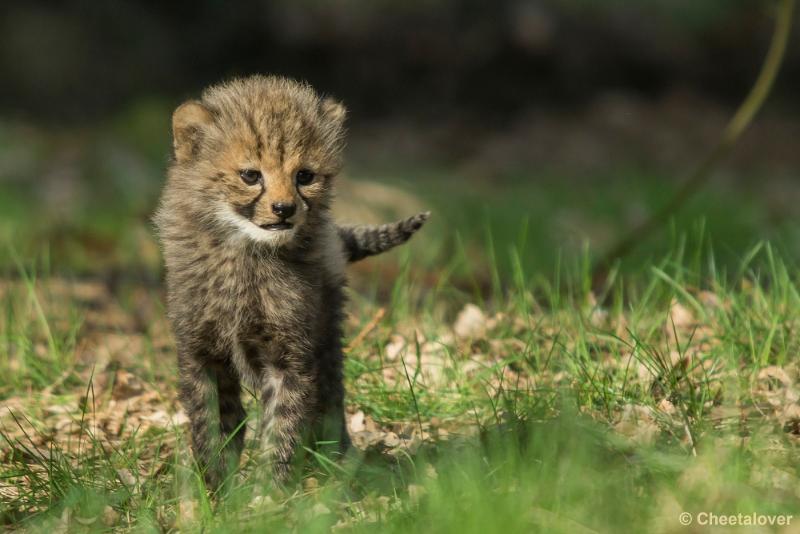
x=396 y=345
x=179 y=418
x=470 y=323
x=357 y=422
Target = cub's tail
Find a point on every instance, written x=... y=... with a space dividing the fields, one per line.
x=363 y=241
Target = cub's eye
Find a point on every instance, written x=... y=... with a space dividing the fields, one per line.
x=250 y=176
x=304 y=177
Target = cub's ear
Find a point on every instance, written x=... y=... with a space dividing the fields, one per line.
x=188 y=123
x=332 y=110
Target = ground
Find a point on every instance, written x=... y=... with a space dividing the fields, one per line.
x=552 y=409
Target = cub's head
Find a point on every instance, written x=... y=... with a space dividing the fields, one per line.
x=257 y=156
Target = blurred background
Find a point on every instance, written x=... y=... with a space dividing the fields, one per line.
x=546 y=126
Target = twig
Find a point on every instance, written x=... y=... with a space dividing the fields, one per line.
x=369 y=327
x=733 y=131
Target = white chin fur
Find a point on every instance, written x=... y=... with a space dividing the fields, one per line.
x=248 y=230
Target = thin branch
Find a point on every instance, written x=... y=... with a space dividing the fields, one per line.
x=369 y=327
x=733 y=131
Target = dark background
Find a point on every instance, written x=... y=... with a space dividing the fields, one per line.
x=436 y=60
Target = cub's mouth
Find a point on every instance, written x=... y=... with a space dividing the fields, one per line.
x=277 y=226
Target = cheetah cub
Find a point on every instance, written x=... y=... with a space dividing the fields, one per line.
x=255 y=267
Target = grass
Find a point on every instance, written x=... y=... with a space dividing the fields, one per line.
x=561 y=410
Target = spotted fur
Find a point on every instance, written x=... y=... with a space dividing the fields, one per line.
x=363 y=241
x=250 y=303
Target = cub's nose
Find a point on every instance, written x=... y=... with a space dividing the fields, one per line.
x=284 y=210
